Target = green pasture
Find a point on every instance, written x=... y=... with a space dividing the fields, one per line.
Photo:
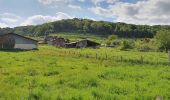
x=83 y=74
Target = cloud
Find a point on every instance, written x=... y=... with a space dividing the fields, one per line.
x=9 y=20
x=142 y=12
x=91 y=18
x=40 y=19
x=97 y=2
x=3 y=25
x=12 y=20
x=75 y=7
x=49 y=2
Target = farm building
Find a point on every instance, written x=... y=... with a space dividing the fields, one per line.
x=82 y=44
x=56 y=41
x=48 y=39
x=62 y=42
x=15 y=41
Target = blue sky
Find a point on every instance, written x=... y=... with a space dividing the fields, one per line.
x=32 y=12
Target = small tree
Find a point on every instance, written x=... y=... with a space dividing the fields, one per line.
x=111 y=39
x=127 y=45
x=163 y=39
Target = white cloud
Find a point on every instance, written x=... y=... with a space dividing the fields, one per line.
x=49 y=2
x=142 y=12
x=46 y=2
x=9 y=20
x=40 y=19
x=12 y=20
x=75 y=7
x=97 y=2
x=3 y=25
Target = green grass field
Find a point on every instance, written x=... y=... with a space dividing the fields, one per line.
x=77 y=74
x=79 y=36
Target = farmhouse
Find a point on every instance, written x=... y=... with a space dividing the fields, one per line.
x=15 y=41
x=82 y=44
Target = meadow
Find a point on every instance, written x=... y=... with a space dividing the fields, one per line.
x=83 y=74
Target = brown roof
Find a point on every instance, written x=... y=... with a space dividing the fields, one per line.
x=19 y=36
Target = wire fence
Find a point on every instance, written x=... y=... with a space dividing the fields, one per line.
x=105 y=56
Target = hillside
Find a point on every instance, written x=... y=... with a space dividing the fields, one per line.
x=88 y=26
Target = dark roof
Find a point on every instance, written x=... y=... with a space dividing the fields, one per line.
x=89 y=41
x=19 y=36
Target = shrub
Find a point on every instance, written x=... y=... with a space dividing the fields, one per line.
x=116 y=42
x=127 y=45
x=163 y=39
x=111 y=39
x=146 y=45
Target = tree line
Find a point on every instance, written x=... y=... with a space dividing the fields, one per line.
x=88 y=26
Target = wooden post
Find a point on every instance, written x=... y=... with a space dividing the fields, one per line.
x=87 y=56
x=121 y=58
x=106 y=56
x=96 y=55
x=169 y=56
x=141 y=59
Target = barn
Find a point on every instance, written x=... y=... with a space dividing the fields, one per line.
x=15 y=41
x=82 y=44
x=56 y=41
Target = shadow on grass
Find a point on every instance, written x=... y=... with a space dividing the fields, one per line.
x=17 y=50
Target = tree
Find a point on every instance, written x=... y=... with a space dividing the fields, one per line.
x=163 y=39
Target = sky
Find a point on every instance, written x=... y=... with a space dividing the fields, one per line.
x=32 y=12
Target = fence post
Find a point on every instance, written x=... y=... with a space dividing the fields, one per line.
x=96 y=55
x=169 y=56
x=106 y=56
x=121 y=58
x=141 y=59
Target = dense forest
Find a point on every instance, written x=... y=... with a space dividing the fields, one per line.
x=88 y=26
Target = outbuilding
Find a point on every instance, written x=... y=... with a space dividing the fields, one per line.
x=15 y=41
x=82 y=44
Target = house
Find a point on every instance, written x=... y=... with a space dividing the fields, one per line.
x=15 y=41
x=82 y=44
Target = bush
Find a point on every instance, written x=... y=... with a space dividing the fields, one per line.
x=163 y=39
x=110 y=40
x=146 y=45
x=116 y=43
x=127 y=45
x=112 y=37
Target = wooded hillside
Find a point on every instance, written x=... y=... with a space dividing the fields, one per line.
x=88 y=26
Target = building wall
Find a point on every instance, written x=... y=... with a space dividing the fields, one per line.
x=23 y=43
x=82 y=44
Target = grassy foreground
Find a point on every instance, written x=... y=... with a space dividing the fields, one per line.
x=82 y=74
